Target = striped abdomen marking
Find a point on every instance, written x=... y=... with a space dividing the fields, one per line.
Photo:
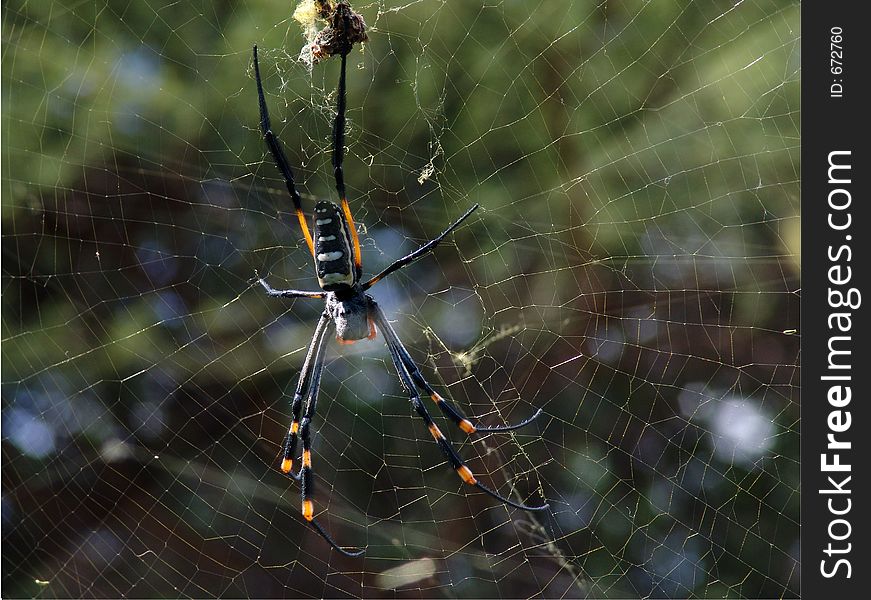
x=334 y=260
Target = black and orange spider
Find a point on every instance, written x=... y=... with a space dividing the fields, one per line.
x=354 y=314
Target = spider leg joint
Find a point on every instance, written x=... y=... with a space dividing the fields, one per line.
x=466 y=475
x=308 y=510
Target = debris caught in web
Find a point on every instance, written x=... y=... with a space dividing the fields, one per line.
x=342 y=29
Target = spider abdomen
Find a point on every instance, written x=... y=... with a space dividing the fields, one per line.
x=333 y=258
x=350 y=313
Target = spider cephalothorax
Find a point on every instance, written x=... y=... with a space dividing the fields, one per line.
x=349 y=310
x=355 y=315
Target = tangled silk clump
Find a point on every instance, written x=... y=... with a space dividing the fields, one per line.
x=344 y=28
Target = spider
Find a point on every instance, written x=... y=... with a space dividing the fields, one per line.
x=335 y=247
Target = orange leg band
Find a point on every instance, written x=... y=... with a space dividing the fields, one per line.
x=466 y=475
x=308 y=510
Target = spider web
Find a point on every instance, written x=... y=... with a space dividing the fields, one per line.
x=633 y=271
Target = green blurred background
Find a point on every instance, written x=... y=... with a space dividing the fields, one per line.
x=633 y=271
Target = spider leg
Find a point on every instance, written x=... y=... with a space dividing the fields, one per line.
x=423 y=250
x=279 y=157
x=448 y=409
x=310 y=368
x=303 y=429
x=288 y=293
x=317 y=527
x=447 y=448
x=338 y=162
